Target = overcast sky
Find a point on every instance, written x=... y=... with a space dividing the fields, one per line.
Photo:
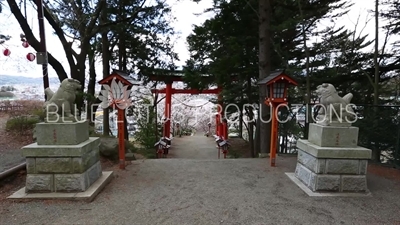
x=183 y=10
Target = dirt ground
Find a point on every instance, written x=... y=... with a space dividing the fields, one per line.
x=192 y=186
x=198 y=188
x=241 y=149
x=384 y=171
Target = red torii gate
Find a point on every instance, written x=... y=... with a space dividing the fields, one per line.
x=221 y=127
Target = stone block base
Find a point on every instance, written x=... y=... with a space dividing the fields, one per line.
x=69 y=133
x=61 y=159
x=333 y=136
x=87 y=195
x=62 y=168
x=332 y=169
x=54 y=182
x=331 y=182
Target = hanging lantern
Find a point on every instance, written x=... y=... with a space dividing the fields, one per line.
x=25 y=44
x=30 y=57
x=6 y=52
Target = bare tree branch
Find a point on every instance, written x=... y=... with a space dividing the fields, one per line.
x=30 y=37
x=69 y=52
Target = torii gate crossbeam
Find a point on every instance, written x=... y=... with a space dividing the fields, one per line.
x=188 y=91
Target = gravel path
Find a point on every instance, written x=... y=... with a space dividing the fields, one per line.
x=194 y=147
x=207 y=190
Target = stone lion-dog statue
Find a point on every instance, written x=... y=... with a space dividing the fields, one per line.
x=334 y=108
x=62 y=101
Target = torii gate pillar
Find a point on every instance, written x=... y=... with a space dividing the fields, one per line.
x=221 y=115
x=167 y=112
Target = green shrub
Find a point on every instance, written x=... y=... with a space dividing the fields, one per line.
x=145 y=135
x=40 y=113
x=234 y=153
x=22 y=123
x=148 y=153
x=129 y=145
x=92 y=132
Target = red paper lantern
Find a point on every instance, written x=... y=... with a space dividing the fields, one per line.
x=30 y=56
x=6 y=52
x=25 y=44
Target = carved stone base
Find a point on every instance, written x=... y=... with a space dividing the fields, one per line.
x=56 y=182
x=62 y=133
x=332 y=169
x=331 y=182
x=331 y=136
x=62 y=168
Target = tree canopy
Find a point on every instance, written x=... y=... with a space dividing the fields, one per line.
x=228 y=45
x=236 y=47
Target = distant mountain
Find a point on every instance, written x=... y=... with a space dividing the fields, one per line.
x=12 y=80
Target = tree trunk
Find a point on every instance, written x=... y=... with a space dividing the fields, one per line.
x=241 y=124
x=155 y=116
x=122 y=56
x=376 y=152
x=256 y=134
x=250 y=125
x=251 y=139
x=106 y=72
x=308 y=85
x=264 y=128
x=376 y=64
x=91 y=88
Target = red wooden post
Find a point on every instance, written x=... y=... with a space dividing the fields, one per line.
x=167 y=113
x=225 y=128
x=220 y=110
x=274 y=135
x=217 y=125
x=121 y=138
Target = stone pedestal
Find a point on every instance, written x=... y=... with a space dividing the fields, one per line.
x=64 y=158
x=331 y=161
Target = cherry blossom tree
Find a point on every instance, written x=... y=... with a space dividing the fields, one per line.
x=190 y=111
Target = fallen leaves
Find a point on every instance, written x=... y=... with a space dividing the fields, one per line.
x=384 y=171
